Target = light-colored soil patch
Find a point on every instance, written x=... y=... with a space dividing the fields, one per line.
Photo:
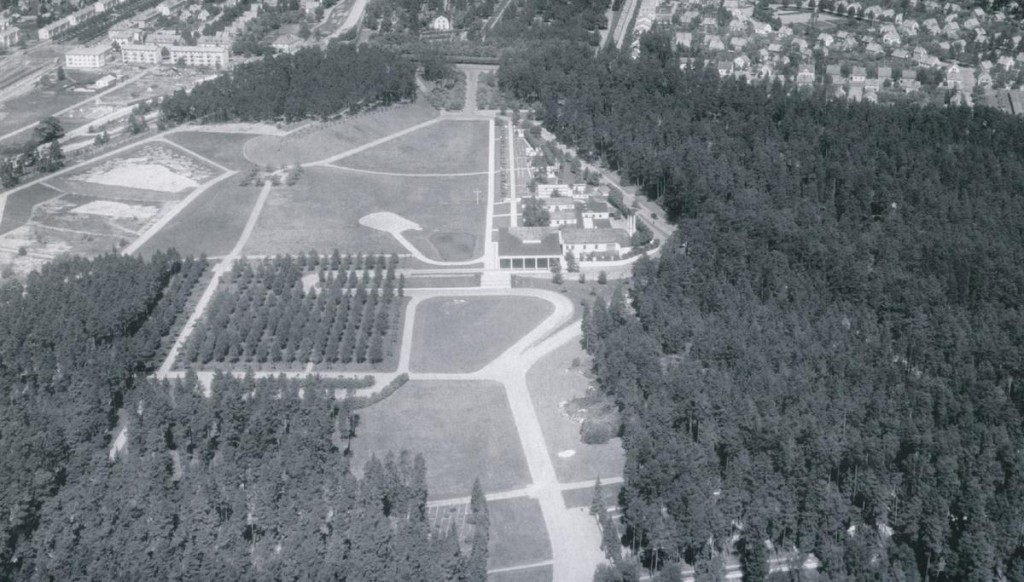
x=151 y=167
x=112 y=209
x=142 y=175
x=463 y=429
x=388 y=222
x=464 y=334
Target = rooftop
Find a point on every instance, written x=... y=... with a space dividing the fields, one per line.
x=594 y=236
x=530 y=241
x=90 y=50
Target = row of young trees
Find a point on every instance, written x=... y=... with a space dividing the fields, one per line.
x=312 y=83
x=828 y=354
x=250 y=483
x=264 y=314
x=72 y=338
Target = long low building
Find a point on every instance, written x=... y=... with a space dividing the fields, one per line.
x=146 y=54
x=199 y=56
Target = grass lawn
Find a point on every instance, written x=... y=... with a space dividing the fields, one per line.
x=443 y=148
x=211 y=224
x=34 y=106
x=19 y=205
x=464 y=334
x=538 y=574
x=223 y=148
x=518 y=534
x=337 y=136
x=323 y=209
x=584 y=497
x=551 y=381
x=464 y=430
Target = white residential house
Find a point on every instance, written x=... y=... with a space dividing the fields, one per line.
x=801 y=44
x=805 y=75
x=873 y=48
x=737 y=43
x=714 y=42
x=971 y=23
x=901 y=54
x=952 y=30
x=777 y=48
x=784 y=32
x=891 y=39
x=741 y=63
x=984 y=79
x=954 y=77
x=761 y=28
x=826 y=39
x=932 y=26
x=725 y=68
x=858 y=74
x=684 y=39
x=909 y=27
x=441 y=23
x=1006 y=62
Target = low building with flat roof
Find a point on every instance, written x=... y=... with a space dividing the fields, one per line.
x=580 y=241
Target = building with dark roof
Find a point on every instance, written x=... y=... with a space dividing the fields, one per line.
x=529 y=248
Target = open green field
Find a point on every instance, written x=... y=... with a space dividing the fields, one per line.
x=223 y=148
x=323 y=209
x=551 y=381
x=30 y=108
x=518 y=534
x=211 y=224
x=446 y=147
x=19 y=206
x=464 y=334
x=464 y=430
x=538 y=574
x=338 y=136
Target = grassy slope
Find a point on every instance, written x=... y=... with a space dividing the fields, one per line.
x=465 y=334
x=464 y=430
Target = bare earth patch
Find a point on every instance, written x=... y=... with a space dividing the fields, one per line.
x=112 y=209
x=154 y=167
x=388 y=222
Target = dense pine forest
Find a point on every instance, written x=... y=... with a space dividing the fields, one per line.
x=252 y=482
x=313 y=82
x=828 y=355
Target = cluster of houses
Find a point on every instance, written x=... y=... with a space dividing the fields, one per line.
x=582 y=224
x=956 y=46
x=10 y=35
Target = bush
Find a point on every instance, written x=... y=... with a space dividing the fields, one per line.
x=597 y=431
x=602 y=278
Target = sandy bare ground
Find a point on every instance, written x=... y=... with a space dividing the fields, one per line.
x=388 y=222
x=112 y=209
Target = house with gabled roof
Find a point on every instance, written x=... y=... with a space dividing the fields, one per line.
x=901 y=54
x=873 y=48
